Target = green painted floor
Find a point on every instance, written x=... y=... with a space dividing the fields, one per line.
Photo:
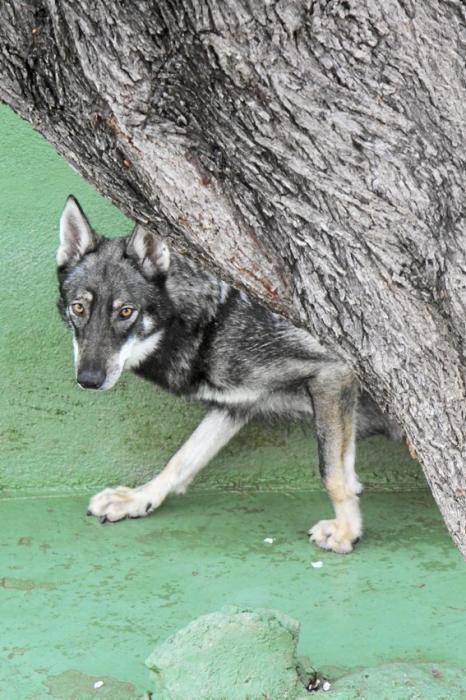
x=81 y=601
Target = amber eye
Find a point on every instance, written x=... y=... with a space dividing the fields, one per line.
x=126 y=312
x=77 y=309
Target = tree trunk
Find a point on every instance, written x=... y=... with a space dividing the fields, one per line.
x=311 y=151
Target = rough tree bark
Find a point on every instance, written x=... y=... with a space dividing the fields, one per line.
x=311 y=151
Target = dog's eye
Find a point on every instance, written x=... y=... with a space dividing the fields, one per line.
x=126 y=312
x=77 y=309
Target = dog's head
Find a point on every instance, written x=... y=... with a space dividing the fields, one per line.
x=112 y=295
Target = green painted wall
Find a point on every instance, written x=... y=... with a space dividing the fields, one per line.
x=55 y=437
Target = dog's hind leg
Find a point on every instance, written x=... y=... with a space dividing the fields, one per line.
x=214 y=432
x=334 y=398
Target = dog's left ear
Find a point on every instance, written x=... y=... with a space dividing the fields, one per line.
x=149 y=251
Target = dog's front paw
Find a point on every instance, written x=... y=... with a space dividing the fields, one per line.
x=121 y=502
x=337 y=535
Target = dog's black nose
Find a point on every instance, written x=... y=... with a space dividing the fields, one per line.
x=91 y=378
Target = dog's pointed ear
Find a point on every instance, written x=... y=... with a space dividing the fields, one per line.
x=150 y=252
x=76 y=235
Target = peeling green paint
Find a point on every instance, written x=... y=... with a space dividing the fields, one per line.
x=22 y=584
x=74 y=685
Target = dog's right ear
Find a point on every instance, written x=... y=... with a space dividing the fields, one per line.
x=76 y=235
x=150 y=252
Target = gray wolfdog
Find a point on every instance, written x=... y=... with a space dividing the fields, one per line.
x=133 y=304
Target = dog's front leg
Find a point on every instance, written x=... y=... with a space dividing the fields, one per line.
x=334 y=398
x=215 y=430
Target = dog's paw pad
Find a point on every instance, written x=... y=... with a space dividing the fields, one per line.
x=333 y=535
x=111 y=505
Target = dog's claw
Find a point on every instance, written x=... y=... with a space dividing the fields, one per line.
x=148 y=507
x=88 y=511
x=103 y=519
